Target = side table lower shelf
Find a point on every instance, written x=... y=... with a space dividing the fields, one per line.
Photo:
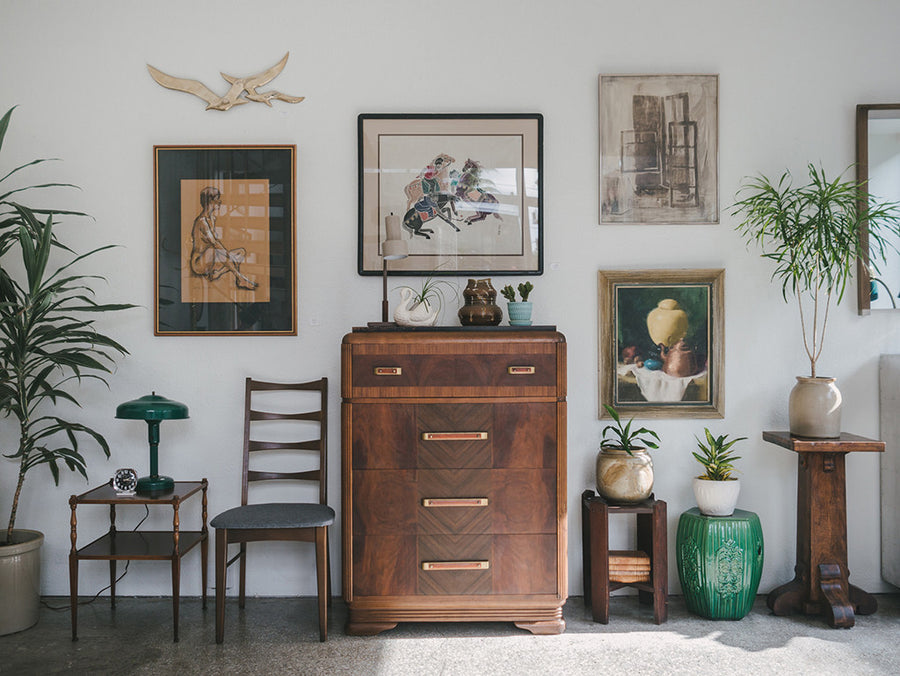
x=115 y=545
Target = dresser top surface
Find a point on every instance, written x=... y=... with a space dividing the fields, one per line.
x=457 y=334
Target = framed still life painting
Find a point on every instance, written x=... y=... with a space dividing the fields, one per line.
x=465 y=193
x=659 y=149
x=224 y=240
x=662 y=342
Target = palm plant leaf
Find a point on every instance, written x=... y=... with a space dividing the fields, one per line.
x=50 y=342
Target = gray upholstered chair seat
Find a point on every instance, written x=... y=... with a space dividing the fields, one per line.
x=275 y=515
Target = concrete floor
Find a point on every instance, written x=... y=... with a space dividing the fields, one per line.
x=280 y=636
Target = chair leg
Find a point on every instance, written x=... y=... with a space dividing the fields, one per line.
x=330 y=594
x=242 y=593
x=322 y=579
x=221 y=560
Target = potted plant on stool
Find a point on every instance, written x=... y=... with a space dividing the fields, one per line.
x=811 y=232
x=624 y=467
x=49 y=344
x=716 y=490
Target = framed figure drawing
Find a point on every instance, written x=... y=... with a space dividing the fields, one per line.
x=659 y=149
x=662 y=342
x=224 y=240
x=467 y=190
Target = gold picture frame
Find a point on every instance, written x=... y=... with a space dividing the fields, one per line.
x=662 y=342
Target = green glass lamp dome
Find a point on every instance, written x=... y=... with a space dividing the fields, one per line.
x=153 y=409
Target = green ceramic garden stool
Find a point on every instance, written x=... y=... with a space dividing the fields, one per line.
x=720 y=562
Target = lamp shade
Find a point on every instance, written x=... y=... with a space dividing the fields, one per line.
x=152 y=407
x=394 y=249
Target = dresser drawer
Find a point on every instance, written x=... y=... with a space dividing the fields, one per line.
x=454 y=436
x=463 y=367
x=458 y=502
x=446 y=565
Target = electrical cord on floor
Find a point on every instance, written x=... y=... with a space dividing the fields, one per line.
x=97 y=595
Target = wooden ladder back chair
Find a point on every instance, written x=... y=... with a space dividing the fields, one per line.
x=299 y=521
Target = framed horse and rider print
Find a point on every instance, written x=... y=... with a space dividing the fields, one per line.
x=225 y=240
x=468 y=190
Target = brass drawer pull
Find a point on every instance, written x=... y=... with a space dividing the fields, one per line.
x=456 y=565
x=454 y=502
x=388 y=371
x=454 y=436
x=520 y=370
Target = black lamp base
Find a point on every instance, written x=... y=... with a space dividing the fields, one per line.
x=155 y=485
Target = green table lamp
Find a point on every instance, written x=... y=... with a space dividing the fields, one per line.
x=153 y=409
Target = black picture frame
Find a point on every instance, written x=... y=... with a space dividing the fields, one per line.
x=488 y=219
x=243 y=282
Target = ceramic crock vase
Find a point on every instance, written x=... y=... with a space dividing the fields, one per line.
x=716 y=498
x=667 y=323
x=814 y=408
x=624 y=478
x=481 y=308
x=20 y=581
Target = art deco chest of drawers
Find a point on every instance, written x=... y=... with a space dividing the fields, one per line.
x=454 y=477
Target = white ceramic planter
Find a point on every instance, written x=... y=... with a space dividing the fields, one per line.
x=624 y=478
x=814 y=408
x=20 y=581
x=716 y=498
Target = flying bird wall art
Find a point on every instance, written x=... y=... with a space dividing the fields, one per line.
x=235 y=95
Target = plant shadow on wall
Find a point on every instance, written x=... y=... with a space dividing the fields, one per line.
x=50 y=344
x=812 y=234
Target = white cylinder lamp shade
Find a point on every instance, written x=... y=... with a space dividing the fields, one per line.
x=393 y=248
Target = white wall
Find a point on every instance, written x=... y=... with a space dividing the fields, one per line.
x=790 y=76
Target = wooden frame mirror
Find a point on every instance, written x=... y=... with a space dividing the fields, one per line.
x=877 y=149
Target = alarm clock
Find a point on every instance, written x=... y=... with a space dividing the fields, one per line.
x=124 y=481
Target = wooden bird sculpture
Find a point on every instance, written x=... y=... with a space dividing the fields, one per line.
x=235 y=94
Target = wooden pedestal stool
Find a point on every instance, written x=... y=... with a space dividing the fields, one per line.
x=601 y=577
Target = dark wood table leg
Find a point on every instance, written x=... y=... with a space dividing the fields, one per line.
x=176 y=572
x=660 y=564
x=73 y=593
x=599 y=525
x=837 y=600
x=204 y=547
x=112 y=562
x=73 y=568
x=863 y=602
x=586 y=546
x=786 y=599
x=645 y=544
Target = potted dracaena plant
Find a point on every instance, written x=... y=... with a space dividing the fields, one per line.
x=49 y=345
x=624 y=466
x=717 y=489
x=519 y=311
x=812 y=234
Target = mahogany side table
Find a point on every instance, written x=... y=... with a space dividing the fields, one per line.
x=821 y=583
x=115 y=545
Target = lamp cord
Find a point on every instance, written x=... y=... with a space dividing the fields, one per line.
x=97 y=595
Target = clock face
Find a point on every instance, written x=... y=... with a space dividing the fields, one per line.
x=125 y=480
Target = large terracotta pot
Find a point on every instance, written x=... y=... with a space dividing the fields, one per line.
x=814 y=408
x=624 y=478
x=20 y=581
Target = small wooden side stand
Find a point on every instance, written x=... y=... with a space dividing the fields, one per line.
x=821 y=583
x=651 y=539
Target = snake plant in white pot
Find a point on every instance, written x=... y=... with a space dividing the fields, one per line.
x=49 y=345
x=812 y=234
x=717 y=489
